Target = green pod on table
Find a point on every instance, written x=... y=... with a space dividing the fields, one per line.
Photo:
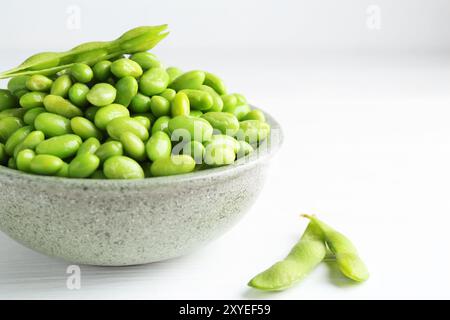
x=127 y=87
x=146 y=60
x=213 y=81
x=198 y=99
x=39 y=82
x=45 y=164
x=52 y=124
x=64 y=146
x=126 y=67
x=189 y=80
x=81 y=72
x=102 y=70
x=226 y=123
x=219 y=154
x=16 y=138
x=190 y=128
x=30 y=142
x=78 y=94
x=172 y=165
x=140 y=103
x=153 y=81
x=158 y=146
x=217 y=105
x=133 y=146
x=32 y=100
x=121 y=167
x=180 y=105
x=120 y=125
x=160 y=106
x=83 y=165
x=61 y=86
x=107 y=114
x=8 y=126
x=109 y=149
x=101 y=94
x=253 y=131
x=161 y=124
x=23 y=160
x=61 y=106
x=7 y=100
x=84 y=128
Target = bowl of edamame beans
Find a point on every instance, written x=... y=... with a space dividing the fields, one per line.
x=109 y=158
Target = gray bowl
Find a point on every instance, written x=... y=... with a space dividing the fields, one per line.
x=123 y=222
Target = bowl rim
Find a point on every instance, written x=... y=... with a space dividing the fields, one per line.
x=238 y=166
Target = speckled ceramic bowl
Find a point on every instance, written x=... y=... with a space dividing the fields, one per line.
x=118 y=222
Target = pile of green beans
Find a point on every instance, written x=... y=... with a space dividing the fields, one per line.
x=318 y=242
x=122 y=118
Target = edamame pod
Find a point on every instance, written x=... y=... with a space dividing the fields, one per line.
x=172 y=165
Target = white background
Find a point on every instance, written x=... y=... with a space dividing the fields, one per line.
x=367 y=124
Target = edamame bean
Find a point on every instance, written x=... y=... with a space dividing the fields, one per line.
x=64 y=171
x=3 y=155
x=217 y=105
x=90 y=113
x=61 y=86
x=32 y=100
x=109 y=149
x=229 y=101
x=31 y=115
x=62 y=147
x=153 y=81
x=8 y=126
x=303 y=258
x=189 y=80
x=126 y=67
x=158 y=146
x=195 y=113
x=144 y=120
x=253 y=131
x=198 y=99
x=15 y=112
x=83 y=165
x=194 y=149
x=7 y=100
x=23 y=160
x=45 y=164
x=121 y=167
x=81 y=72
x=160 y=106
x=102 y=94
x=98 y=174
x=133 y=146
x=17 y=84
x=169 y=94
x=226 y=123
x=140 y=103
x=180 y=105
x=239 y=110
x=173 y=73
x=172 y=165
x=91 y=145
x=109 y=113
x=224 y=140
x=240 y=98
x=127 y=88
x=219 y=154
x=244 y=149
x=120 y=125
x=78 y=94
x=213 y=81
x=16 y=138
x=12 y=163
x=161 y=124
x=52 y=124
x=191 y=128
x=61 y=106
x=84 y=128
x=347 y=257
x=102 y=70
x=30 y=142
x=146 y=60
x=38 y=82
x=255 y=115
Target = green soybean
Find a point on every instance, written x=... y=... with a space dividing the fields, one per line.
x=64 y=171
x=91 y=145
x=15 y=112
x=172 y=165
x=198 y=99
x=52 y=124
x=61 y=86
x=161 y=124
x=224 y=140
x=17 y=84
x=39 y=82
x=219 y=154
x=195 y=113
x=173 y=73
x=239 y=110
x=45 y=164
x=102 y=70
x=309 y=252
x=347 y=258
x=31 y=141
x=3 y=155
x=83 y=165
x=169 y=94
x=84 y=128
x=255 y=115
x=253 y=131
x=62 y=147
x=32 y=100
x=213 y=81
x=23 y=160
x=7 y=100
x=158 y=146
x=189 y=80
x=160 y=106
x=144 y=120
x=12 y=163
x=153 y=81
x=81 y=72
x=61 y=106
x=102 y=94
x=191 y=128
x=121 y=167
x=126 y=67
x=31 y=115
x=133 y=146
x=180 y=105
x=109 y=149
x=8 y=126
x=107 y=114
x=120 y=125
x=194 y=149
x=127 y=88
x=146 y=60
x=90 y=112
x=244 y=149
x=224 y=122
x=98 y=174
x=217 y=105
x=16 y=138
x=78 y=94
x=140 y=103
